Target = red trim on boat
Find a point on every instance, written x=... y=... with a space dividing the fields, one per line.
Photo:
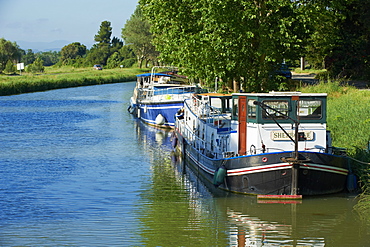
x=280 y=197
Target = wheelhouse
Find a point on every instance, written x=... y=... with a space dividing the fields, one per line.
x=267 y=122
x=304 y=108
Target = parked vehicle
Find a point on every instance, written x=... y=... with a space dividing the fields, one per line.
x=98 y=67
x=284 y=70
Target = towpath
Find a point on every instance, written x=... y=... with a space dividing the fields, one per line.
x=309 y=78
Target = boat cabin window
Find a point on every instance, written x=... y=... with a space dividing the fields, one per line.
x=310 y=109
x=280 y=105
x=216 y=102
x=222 y=104
x=235 y=108
x=252 y=109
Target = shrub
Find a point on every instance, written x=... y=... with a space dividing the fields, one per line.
x=9 y=68
x=36 y=67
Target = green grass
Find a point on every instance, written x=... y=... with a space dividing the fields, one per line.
x=309 y=71
x=348 y=114
x=54 y=78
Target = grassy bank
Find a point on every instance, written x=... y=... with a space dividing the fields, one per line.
x=54 y=78
x=349 y=122
x=348 y=113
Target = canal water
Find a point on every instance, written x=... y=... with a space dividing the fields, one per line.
x=77 y=170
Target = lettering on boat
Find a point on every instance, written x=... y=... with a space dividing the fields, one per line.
x=281 y=136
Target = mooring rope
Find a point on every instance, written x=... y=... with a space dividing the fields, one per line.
x=359 y=161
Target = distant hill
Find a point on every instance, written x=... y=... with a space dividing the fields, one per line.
x=56 y=45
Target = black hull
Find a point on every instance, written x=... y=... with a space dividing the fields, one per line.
x=270 y=173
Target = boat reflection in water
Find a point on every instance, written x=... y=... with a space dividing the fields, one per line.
x=313 y=221
x=177 y=209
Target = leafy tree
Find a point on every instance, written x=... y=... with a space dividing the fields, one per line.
x=114 y=60
x=124 y=57
x=36 y=67
x=128 y=56
x=340 y=42
x=29 y=57
x=116 y=45
x=104 y=34
x=8 y=51
x=136 y=33
x=101 y=51
x=9 y=68
x=72 y=51
x=349 y=55
x=49 y=57
x=238 y=41
x=98 y=55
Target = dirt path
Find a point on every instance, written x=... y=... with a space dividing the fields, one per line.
x=310 y=79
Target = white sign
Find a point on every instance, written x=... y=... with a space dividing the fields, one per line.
x=281 y=136
x=20 y=66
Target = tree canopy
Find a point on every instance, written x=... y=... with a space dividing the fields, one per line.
x=238 y=41
x=341 y=39
x=233 y=40
x=104 y=34
x=72 y=51
x=8 y=51
x=136 y=33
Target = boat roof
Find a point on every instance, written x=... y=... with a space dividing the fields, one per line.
x=155 y=74
x=281 y=94
x=172 y=85
x=216 y=94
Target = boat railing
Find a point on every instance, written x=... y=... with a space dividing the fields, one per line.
x=203 y=146
x=172 y=93
x=210 y=114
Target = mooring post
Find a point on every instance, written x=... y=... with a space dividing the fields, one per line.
x=294 y=178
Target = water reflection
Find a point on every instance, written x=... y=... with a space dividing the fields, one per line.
x=171 y=212
x=178 y=209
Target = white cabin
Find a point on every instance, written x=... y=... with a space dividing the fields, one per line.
x=224 y=125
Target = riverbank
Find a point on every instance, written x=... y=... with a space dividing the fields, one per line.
x=56 y=78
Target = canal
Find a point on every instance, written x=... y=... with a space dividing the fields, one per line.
x=77 y=170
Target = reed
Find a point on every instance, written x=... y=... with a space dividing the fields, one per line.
x=65 y=77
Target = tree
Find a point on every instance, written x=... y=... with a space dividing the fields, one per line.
x=9 y=68
x=349 y=55
x=29 y=57
x=98 y=55
x=136 y=33
x=340 y=42
x=49 y=57
x=101 y=51
x=104 y=33
x=72 y=51
x=125 y=57
x=116 y=45
x=8 y=51
x=36 y=67
x=238 y=41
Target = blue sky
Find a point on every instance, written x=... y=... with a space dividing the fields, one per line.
x=71 y=20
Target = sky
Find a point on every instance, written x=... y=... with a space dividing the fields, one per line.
x=70 y=20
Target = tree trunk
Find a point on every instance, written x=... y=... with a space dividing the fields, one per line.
x=236 y=86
